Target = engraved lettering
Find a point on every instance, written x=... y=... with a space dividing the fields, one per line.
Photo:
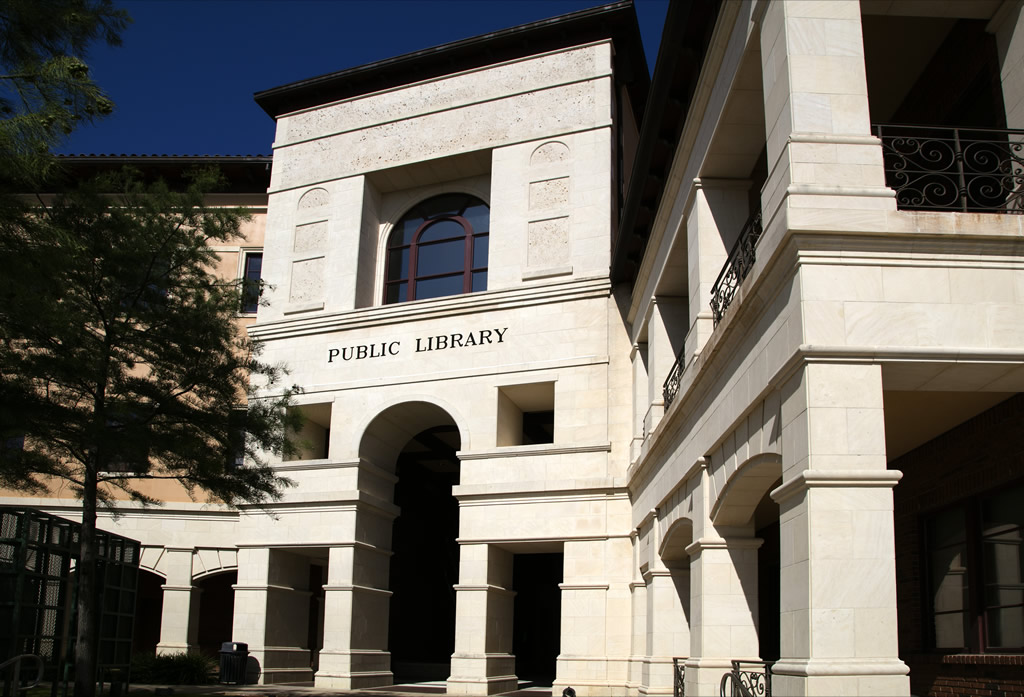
x=331 y=355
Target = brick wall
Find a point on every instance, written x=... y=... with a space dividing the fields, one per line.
x=975 y=457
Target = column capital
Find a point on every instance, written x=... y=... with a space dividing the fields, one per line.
x=836 y=478
x=702 y=543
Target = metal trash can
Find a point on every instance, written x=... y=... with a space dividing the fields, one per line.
x=233 y=657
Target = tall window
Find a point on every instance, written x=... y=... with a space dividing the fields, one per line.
x=975 y=563
x=251 y=286
x=438 y=248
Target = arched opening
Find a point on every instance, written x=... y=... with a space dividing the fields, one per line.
x=149 y=602
x=745 y=503
x=419 y=441
x=216 y=609
x=437 y=249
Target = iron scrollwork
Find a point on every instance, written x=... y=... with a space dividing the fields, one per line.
x=748 y=679
x=737 y=266
x=678 y=677
x=972 y=170
x=671 y=387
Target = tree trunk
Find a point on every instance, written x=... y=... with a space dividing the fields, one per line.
x=87 y=636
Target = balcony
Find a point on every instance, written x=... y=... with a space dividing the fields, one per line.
x=970 y=170
x=737 y=267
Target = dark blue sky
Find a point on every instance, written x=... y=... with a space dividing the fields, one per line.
x=183 y=80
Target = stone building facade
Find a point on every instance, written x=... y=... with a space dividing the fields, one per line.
x=609 y=383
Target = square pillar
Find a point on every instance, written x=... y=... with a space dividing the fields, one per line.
x=837 y=555
x=723 y=608
x=668 y=627
x=179 y=618
x=483 y=662
x=821 y=153
x=272 y=614
x=713 y=224
x=356 y=613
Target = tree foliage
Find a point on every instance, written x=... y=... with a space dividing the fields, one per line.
x=119 y=356
x=45 y=85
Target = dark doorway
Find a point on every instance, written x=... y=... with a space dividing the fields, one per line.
x=425 y=562
x=536 y=618
x=149 y=605
x=216 y=611
x=768 y=592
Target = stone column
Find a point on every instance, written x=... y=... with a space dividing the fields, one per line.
x=1008 y=26
x=641 y=400
x=483 y=662
x=838 y=578
x=713 y=225
x=179 y=618
x=723 y=608
x=668 y=633
x=821 y=153
x=272 y=614
x=356 y=602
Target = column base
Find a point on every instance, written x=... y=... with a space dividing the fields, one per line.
x=349 y=670
x=704 y=675
x=278 y=664
x=840 y=676
x=489 y=673
x=164 y=648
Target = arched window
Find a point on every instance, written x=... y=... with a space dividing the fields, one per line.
x=438 y=248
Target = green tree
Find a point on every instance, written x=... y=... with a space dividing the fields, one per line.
x=45 y=86
x=120 y=360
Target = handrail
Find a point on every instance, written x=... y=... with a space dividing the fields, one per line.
x=16 y=662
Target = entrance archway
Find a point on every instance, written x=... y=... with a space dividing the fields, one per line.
x=418 y=441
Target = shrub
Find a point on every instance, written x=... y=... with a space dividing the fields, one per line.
x=173 y=669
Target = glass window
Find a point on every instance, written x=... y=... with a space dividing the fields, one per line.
x=251 y=285
x=975 y=572
x=437 y=249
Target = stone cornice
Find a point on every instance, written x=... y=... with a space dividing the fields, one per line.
x=406 y=313
x=836 y=478
x=531 y=451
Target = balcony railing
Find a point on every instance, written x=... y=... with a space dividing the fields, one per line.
x=737 y=266
x=972 y=170
x=748 y=679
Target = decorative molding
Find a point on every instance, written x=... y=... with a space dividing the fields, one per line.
x=836 y=478
x=556 y=292
x=531 y=450
x=702 y=543
x=583 y=587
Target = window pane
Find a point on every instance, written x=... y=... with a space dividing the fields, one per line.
x=949 y=579
x=478 y=217
x=949 y=631
x=445 y=204
x=1005 y=628
x=1003 y=513
x=479 y=281
x=480 y=245
x=443 y=257
x=439 y=287
x=947 y=528
x=403 y=232
x=251 y=282
x=398 y=264
x=397 y=293
x=445 y=229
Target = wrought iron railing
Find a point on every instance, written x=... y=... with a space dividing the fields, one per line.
x=972 y=170
x=737 y=266
x=748 y=679
x=678 y=677
x=670 y=388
